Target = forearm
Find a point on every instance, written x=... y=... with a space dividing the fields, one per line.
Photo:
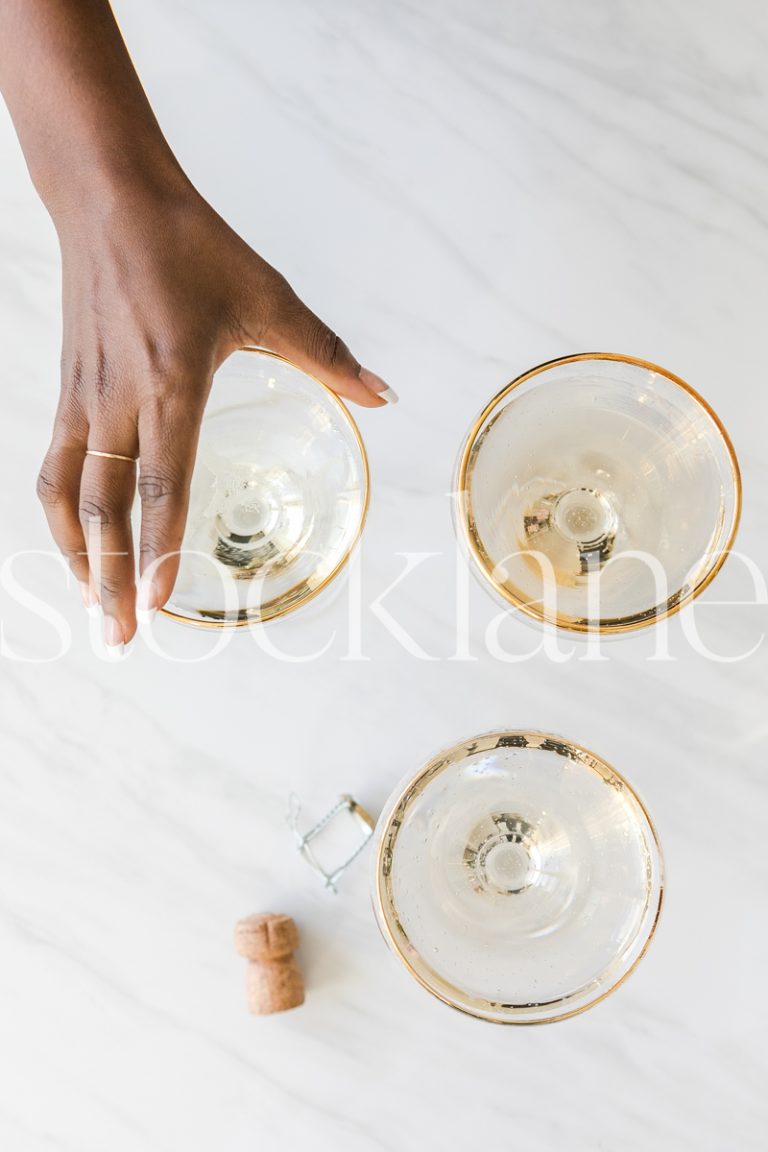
x=83 y=119
x=156 y=292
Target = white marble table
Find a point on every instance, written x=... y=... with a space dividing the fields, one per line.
x=463 y=190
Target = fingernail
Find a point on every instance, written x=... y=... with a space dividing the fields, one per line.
x=147 y=600
x=376 y=385
x=90 y=599
x=113 y=637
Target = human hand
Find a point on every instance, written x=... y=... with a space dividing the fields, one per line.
x=157 y=292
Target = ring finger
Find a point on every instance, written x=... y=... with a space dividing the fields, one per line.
x=107 y=490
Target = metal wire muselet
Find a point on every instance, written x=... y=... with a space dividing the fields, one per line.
x=303 y=840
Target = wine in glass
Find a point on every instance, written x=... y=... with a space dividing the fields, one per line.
x=278 y=496
x=518 y=877
x=598 y=493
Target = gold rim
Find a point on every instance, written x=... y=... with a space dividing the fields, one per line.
x=513 y=596
x=299 y=597
x=480 y=1009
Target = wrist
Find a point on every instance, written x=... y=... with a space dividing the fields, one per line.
x=111 y=180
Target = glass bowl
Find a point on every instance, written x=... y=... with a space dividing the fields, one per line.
x=598 y=493
x=518 y=877
x=278 y=498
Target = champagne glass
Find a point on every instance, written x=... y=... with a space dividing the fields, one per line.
x=278 y=496
x=518 y=877
x=598 y=493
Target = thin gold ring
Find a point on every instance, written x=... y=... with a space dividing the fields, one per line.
x=112 y=456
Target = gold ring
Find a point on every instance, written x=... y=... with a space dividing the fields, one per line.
x=112 y=456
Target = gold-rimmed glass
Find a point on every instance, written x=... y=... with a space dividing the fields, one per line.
x=518 y=877
x=278 y=497
x=598 y=493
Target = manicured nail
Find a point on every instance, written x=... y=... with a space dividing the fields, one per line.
x=117 y=653
x=90 y=599
x=113 y=637
x=147 y=600
x=376 y=385
x=389 y=395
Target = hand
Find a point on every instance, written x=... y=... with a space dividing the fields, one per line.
x=157 y=292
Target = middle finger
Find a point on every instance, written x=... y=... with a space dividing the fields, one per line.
x=107 y=491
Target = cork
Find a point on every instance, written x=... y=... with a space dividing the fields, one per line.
x=273 y=980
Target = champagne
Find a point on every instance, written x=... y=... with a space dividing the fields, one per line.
x=278 y=495
x=598 y=492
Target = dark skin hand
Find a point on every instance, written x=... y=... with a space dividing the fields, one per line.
x=157 y=292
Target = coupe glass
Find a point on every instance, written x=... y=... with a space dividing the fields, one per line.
x=278 y=498
x=598 y=493
x=518 y=877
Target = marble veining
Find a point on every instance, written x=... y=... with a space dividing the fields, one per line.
x=463 y=190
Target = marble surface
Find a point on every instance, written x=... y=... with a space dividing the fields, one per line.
x=462 y=190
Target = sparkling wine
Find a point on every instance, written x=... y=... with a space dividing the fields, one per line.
x=278 y=495
x=598 y=492
x=518 y=876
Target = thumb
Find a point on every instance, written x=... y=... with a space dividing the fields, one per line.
x=301 y=336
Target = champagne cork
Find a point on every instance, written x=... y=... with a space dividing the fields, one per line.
x=273 y=980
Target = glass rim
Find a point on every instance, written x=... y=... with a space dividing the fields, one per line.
x=482 y=560
x=477 y=1007
x=299 y=602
